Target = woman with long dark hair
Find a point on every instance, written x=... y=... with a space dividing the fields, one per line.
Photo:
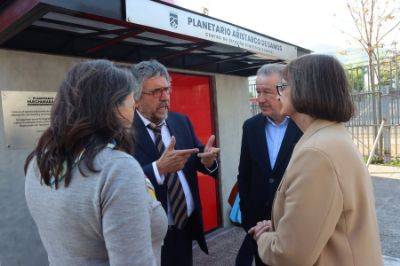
x=86 y=194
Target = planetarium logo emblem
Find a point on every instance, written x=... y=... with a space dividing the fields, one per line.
x=173 y=20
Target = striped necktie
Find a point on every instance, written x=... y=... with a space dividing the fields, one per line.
x=174 y=186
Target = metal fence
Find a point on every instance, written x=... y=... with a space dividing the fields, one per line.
x=371 y=109
x=252 y=99
x=374 y=105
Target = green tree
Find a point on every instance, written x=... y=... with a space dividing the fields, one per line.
x=356 y=75
x=374 y=21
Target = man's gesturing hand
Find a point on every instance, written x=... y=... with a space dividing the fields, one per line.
x=210 y=153
x=173 y=160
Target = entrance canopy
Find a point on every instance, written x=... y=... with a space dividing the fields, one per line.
x=135 y=30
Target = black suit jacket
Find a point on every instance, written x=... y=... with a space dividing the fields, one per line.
x=145 y=152
x=256 y=179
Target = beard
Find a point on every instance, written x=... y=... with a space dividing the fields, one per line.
x=156 y=118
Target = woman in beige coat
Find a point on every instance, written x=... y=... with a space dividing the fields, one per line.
x=324 y=212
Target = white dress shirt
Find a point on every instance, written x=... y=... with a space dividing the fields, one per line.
x=166 y=139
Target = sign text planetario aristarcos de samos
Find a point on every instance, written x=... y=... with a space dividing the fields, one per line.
x=232 y=32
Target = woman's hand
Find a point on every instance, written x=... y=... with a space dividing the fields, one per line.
x=260 y=228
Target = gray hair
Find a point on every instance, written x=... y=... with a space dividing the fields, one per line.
x=269 y=69
x=148 y=69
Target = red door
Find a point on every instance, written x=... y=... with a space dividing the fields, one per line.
x=191 y=95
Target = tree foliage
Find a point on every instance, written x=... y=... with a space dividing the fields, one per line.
x=374 y=21
x=356 y=76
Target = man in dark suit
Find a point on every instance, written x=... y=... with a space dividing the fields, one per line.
x=267 y=143
x=168 y=151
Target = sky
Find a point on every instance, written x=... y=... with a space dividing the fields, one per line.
x=323 y=26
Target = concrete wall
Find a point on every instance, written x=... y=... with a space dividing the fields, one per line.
x=20 y=71
x=19 y=240
x=233 y=109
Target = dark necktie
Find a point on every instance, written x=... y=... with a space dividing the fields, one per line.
x=174 y=187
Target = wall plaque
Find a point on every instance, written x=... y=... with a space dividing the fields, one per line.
x=26 y=115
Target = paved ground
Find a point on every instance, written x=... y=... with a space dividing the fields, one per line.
x=224 y=243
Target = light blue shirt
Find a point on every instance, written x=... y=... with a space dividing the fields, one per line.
x=275 y=134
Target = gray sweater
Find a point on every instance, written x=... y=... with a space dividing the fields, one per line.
x=101 y=219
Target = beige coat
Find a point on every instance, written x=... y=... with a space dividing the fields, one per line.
x=324 y=212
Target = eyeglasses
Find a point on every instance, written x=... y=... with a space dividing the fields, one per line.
x=158 y=92
x=280 y=87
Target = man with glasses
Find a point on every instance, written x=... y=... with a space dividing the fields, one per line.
x=170 y=155
x=267 y=143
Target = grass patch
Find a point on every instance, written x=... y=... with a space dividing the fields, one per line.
x=394 y=163
x=380 y=161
